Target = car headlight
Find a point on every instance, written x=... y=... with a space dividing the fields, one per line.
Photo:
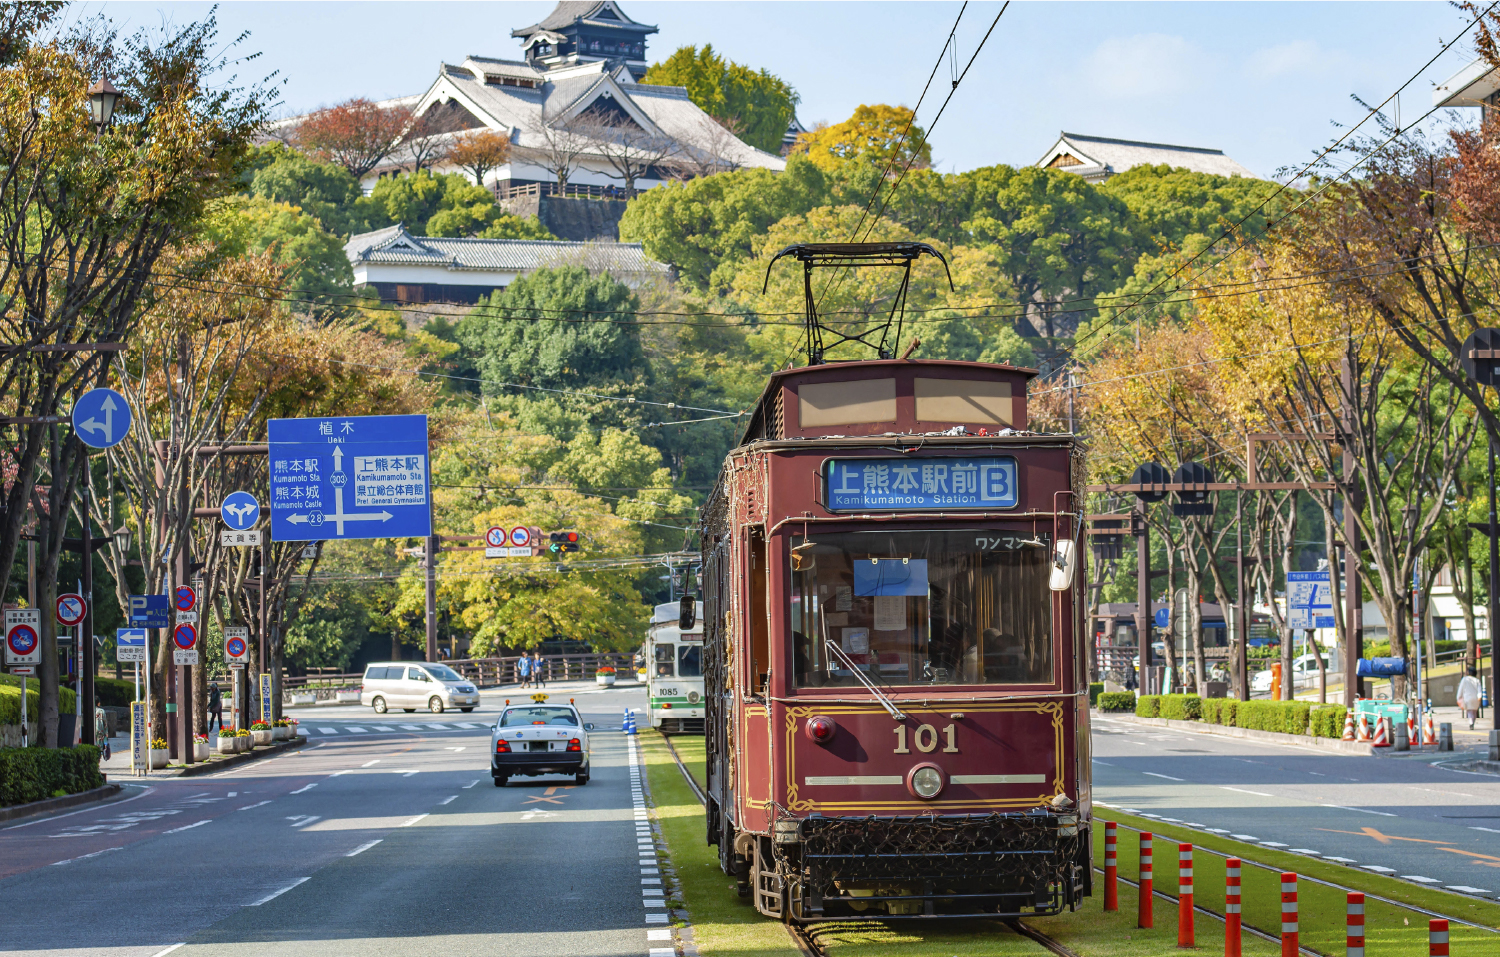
x=925 y=781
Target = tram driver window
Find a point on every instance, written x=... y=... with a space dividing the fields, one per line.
x=921 y=608
x=689 y=661
x=665 y=656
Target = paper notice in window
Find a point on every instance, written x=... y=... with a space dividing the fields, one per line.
x=856 y=641
x=843 y=597
x=890 y=612
x=838 y=619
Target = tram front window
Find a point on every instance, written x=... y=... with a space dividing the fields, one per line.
x=921 y=608
x=689 y=661
x=664 y=660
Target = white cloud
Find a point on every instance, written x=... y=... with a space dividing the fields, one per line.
x=1298 y=58
x=1145 y=65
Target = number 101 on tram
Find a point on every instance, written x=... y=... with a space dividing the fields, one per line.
x=897 y=711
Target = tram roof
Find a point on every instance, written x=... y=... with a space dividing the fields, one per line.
x=904 y=375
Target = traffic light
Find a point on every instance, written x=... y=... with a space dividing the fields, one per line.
x=562 y=542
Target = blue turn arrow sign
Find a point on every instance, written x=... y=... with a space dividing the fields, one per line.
x=101 y=418
x=240 y=511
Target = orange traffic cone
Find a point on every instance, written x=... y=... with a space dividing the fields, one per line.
x=1363 y=731
x=1411 y=725
x=1382 y=733
x=1349 y=726
x=1429 y=730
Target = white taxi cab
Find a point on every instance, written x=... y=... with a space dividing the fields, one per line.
x=539 y=738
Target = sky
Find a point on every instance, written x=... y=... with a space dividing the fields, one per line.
x=1268 y=83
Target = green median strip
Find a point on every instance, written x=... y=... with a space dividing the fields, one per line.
x=1395 y=928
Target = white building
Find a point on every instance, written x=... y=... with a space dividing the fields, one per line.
x=1477 y=84
x=1097 y=158
x=416 y=269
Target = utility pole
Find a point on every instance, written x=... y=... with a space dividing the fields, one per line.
x=1354 y=645
x=1241 y=663
x=1142 y=595
x=431 y=561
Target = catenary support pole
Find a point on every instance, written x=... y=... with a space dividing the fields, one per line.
x=1494 y=599
x=1241 y=620
x=1143 y=598
x=1353 y=606
x=431 y=603
x=1144 y=915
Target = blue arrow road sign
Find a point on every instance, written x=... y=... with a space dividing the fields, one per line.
x=349 y=477
x=150 y=611
x=240 y=511
x=101 y=417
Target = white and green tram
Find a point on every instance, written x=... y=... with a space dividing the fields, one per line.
x=674 y=665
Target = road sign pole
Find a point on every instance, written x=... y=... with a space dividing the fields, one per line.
x=86 y=655
x=431 y=603
x=1494 y=600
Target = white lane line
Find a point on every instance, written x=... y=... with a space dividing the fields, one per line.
x=256 y=804
x=370 y=763
x=1246 y=837
x=1362 y=810
x=345 y=771
x=448 y=800
x=472 y=783
x=363 y=847
x=468 y=725
x=1466 y=889
x=1419 y=879
x=1165 y=776
x=456 y=749
x=414 y=820
x=405 y=774
x=86 y=810
x=353 y=730
x=306 y=821
x=381 y=728
x=1378 y=869
x=185 y=827
x=85 y=857
x=443 y=727
x=306 y=788
x=411 y=727
x=1489 y=830
x=1263 y=794
x=272 y=896
x=165 y=952
x=329 y=730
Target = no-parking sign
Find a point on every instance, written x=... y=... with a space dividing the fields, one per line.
x=236 y=644
x=23 y=638
x=184 y=598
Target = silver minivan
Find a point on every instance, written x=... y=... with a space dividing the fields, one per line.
x=411 y=685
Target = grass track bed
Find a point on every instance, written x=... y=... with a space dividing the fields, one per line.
x=726 y=925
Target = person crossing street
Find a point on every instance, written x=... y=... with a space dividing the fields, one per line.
x=523 y=670
x=1468 y=697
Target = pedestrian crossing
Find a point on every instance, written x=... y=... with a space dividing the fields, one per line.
x=329 y=729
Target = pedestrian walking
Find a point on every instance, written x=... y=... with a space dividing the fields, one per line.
x=215 y=708
x=536 y=669
x=523 y=670
x=1468 y=696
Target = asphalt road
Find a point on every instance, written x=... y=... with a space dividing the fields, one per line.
x=368 y=843
x=1393 y=815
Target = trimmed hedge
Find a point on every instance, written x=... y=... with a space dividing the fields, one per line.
x=1096 y=688
x=32 y=774
x=1148 y=706
x=1117 y=701
x=10 y=700
x=115 y=694
x=1219 y=711
x=1288 y=717
x=1328 y=721
x=1181 y=707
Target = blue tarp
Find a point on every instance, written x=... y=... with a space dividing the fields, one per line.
x=890 y=576
x=1381 y=667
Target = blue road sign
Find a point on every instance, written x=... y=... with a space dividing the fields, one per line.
x=150 y=611
x=130 y=644
x=101 y=417
x=240 y=511
x=349 y=477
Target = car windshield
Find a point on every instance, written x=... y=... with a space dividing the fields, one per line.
x=525 y=717
x=922 y=608
x=443 y=673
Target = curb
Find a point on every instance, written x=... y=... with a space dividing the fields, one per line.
x=244 y=757
x=47 y=805
x=1273 y=737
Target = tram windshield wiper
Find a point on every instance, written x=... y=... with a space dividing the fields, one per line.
x=837 y=653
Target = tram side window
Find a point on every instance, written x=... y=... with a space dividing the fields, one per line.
x=921 y=608
x=689 y=661
x=664 y=659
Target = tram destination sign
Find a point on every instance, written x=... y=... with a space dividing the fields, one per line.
x=925 y=484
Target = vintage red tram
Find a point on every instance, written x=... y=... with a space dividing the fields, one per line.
x=897 y=711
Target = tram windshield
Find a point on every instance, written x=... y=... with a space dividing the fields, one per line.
x=922 y=608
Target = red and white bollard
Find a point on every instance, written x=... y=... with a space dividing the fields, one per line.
x=1232 y=907
x=1111 y=869
x=1185 y=895
x=1437 y=938
x=1429 y=730
x=1363 y=728
x=1144 y=897
x=1354 y=933
x=1382 y=733
x=1289 y=946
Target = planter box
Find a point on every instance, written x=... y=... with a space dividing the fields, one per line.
x=260 y=737
x=348 y=696
x=200 y=751
x=159 y=757
x=306 y=699
x=281 y=734
x=226 y=745
x=605 y=681
x=242 y=744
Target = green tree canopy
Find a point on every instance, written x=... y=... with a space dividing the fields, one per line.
x=314 y=257
x=756 y=105
x=881 y=133
x=1170 y=204
x=705 y=226
x=322 y=190
x=556 y=328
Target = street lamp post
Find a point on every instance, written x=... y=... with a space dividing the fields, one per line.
x=102 y=99
x=1480 y=358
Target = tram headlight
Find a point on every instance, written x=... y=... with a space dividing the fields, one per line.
x=925 y=781
x=820 y=729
